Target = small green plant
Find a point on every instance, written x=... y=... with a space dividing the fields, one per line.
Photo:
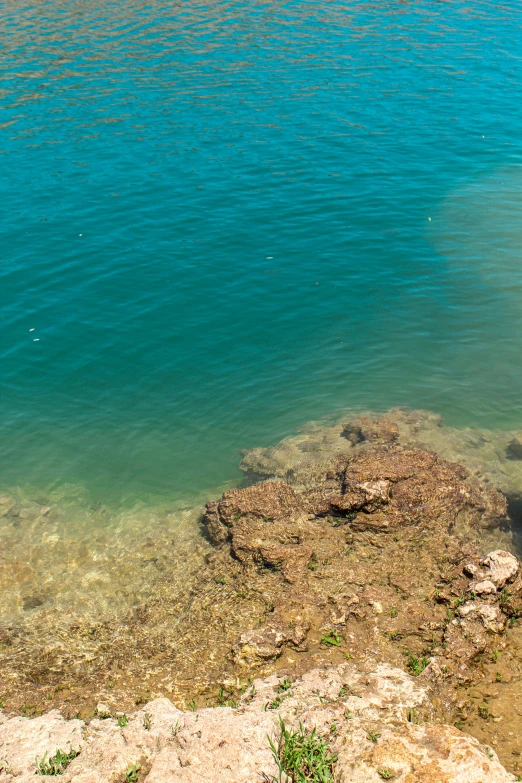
x=393 y=612
x=192 y=705
x=459 y=725
x=348 y=714
x=373 y=736
x=332 y=638
x=494 y=657
x=147 y=721
x=505 y=596
x=412 y=718
x=55 y=765
x=220 y=580
x=224 y=698
x=313 y=564
x=483 y=711
x=122 y=720
x=385 y=773
x=455 y=603
x=30 y=710
x=302 y=756
x=347 y=655
x=284 y=686
x=415 y=665
x=498 y=677
x=276 y=703
x=343 y=691
x=133 y=771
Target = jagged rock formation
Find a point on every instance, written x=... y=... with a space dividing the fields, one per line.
x=371 y=524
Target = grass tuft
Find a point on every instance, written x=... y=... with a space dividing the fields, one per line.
x=132 y=773
x=55 y=765
x=416 y=665
x=332 y=638
x=302 y=756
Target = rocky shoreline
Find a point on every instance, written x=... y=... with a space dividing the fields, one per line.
x=353 y=558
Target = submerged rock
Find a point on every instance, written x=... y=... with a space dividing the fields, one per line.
x=7 y=504
x=514 y=447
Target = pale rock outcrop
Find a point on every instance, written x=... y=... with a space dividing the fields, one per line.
x=501 y=567
x=24 y=739
x=361 y=711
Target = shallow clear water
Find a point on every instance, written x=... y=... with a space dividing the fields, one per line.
x=222 y=220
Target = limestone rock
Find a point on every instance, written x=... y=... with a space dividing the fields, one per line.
x=24 y=739
x=484 y=588
x=502 y=567
x=360 y=712
x=424 y=754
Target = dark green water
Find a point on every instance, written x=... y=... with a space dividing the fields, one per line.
x=222 y=220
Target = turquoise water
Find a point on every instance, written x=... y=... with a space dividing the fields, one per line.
x=221 y=220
